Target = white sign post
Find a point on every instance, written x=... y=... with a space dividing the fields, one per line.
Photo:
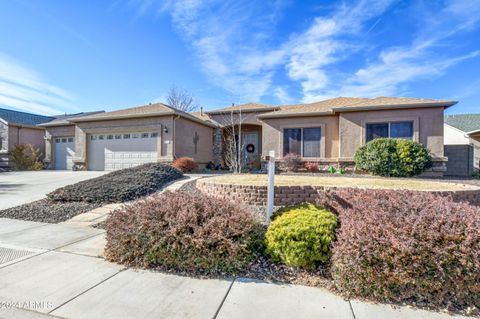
x=271 y=183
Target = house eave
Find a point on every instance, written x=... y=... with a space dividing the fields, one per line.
x=35 y=127
x=263 y=109
x=394 y=107
x=293 y=114
x=137 y=116
x=472 y=132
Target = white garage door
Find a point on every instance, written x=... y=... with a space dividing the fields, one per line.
x=64 y=152
x=109 y=152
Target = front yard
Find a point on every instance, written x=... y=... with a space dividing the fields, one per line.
x=390 y=240
x=342 y=181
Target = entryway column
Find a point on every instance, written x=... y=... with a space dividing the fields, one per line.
x=80 y=159
x=217 y=146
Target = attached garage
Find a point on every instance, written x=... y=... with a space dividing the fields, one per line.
x=64 y=152
x=110 y=152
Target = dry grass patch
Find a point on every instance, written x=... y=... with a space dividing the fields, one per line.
x=341 y=181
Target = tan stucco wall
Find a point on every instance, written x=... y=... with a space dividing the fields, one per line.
x=184 y=146
x=26 y=135
x=273 y=133
x=51 y=133
x=165 y=141
x=428 y=128
x=246 y=118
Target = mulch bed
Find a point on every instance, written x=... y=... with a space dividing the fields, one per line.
x=48 y=211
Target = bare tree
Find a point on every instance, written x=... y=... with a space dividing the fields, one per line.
x=181 y=99
x=232 y=141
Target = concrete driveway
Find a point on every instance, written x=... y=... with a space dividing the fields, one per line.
x=17 y=188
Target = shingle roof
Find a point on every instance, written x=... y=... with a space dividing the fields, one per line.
x=248 y=107
x=23 y=118
x=65 y=118
x=464 y=122
x=204 y=117
x=156 y=109
x=345 y=104
x=138 y=111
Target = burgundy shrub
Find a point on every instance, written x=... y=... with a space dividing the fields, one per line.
x=184 y=232
x=311 y=166
x=185 y=164
x=401 y=246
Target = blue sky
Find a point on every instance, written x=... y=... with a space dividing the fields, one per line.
x=61 y=56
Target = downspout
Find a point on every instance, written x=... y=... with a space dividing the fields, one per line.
x=173 y=135
x=18 y=134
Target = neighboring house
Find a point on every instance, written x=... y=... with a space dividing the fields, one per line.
x=462 y=144
x=19 y=128
x=328 y=132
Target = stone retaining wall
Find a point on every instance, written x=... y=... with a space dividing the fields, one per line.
x=288 y=195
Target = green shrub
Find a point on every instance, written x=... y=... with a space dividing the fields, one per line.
x=393 y=157
x=26 y=158
x=300 y=235
x=184 y=232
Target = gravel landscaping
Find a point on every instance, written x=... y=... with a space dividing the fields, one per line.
x=118 y=186
x=48 y=211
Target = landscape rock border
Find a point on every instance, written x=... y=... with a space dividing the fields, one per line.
x=291 y=195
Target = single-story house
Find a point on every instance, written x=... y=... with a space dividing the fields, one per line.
x=328 y=132
x=128 y=137
x=462 y=144
x=19 y=128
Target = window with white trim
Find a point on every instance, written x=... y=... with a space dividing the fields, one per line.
x=304 y=141
x=389 y=129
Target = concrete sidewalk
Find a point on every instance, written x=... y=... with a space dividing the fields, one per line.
x=56 y=271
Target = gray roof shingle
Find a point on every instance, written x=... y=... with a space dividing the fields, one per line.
x=23 y=118
x=464 y=122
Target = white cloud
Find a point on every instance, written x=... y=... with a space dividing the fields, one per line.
x=24 y=89
x=232 y=41
x=396 y=67
x=326 y=42
x=282 y=96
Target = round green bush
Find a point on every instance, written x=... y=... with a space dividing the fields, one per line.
x=393 y=157
x=300 y=236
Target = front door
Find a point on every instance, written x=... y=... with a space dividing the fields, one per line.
x=251 y=151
